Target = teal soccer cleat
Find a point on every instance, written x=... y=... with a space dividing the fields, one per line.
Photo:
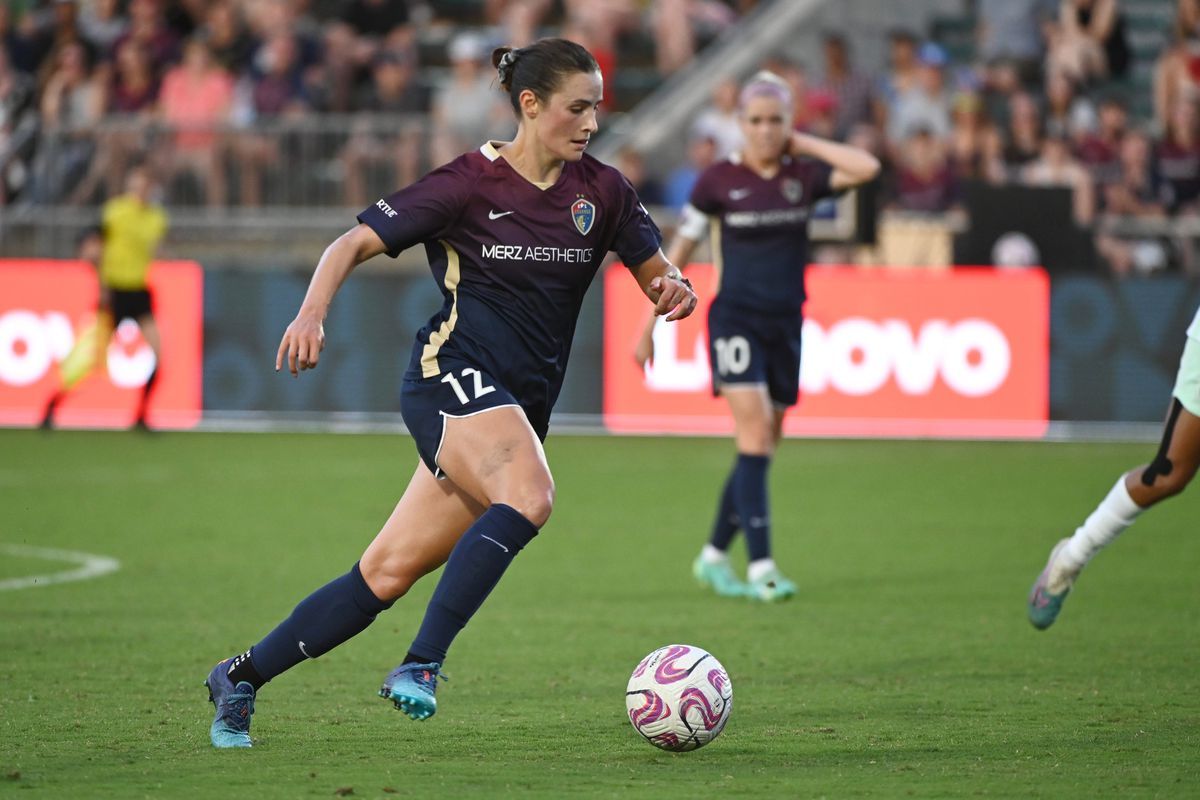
x=719 y=577
x=1044 y=604
x=411 y=687
x=235 y=707
x=772 y=587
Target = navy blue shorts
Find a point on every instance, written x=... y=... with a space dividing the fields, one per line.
x=749 y=349
x=461 y=390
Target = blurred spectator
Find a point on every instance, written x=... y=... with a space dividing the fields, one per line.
x=62 y=32
x=333 y=84
x=393 y=90
x=71 y=106
x=900 y=75
x=1177 y=71
x=1067 y=113
x=633 y=166
x=376 y=17
x=925 y=105
x=1133 y=194
x=148 y=27
x=519 y=19
x=1055 y=166
x=230 y=44
x=102 y=24
x=677 y=188
x=680 y=24
x=851 y=90
x=1011 y=30
x=1001 y=80
x=924 y=180
x=1100 y=151
x=468 y=108
x=1023 y=140
x=275 y=94
x=185 y=17
x=969 y=156
x=18 y=128
x=719 y=120
x=195 y=102
x=130 y=97
x=820 y=113
x=1177 y=160
x=1088 y=41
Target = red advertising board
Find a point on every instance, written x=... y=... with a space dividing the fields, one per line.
x=885 y=353
x=46 y=305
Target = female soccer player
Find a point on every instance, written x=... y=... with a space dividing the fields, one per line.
x=1166 y=476
x=514 y=233
x=756 y=206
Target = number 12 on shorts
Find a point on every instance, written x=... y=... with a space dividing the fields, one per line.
x=480 y=389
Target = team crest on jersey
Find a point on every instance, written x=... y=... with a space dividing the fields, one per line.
x=584 y=214
x=793 y=190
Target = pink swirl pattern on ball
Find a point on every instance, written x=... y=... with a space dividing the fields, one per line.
x=666 y=740
x=668 y=671
x=641 y=668
x=694 y=698
x=653 y=709
x=719 y=681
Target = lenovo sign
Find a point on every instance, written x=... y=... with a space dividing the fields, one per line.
x=46 y=305
x=962 y=353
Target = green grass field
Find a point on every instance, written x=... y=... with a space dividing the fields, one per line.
x=906 y=666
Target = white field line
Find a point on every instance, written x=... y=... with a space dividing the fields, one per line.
x=90 y=566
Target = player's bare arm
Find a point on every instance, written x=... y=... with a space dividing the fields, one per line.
x=304 y=338
x=680 y=252
x=852 y=166
x=664 y=284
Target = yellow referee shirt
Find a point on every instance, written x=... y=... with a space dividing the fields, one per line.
x=132 y=232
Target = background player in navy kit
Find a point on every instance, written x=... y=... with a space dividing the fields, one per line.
x=756 y=206
x=514 y=234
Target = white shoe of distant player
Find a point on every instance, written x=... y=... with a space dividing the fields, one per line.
x=1051 y=589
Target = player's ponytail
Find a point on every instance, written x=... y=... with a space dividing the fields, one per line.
x=540 y=67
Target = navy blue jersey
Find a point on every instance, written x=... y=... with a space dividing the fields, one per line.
x=759 y=229
x=513 y=261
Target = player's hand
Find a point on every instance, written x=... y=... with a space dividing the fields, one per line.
x=643 y=352
x=674 y=296
x=302 y=344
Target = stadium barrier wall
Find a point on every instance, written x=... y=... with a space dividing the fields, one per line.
x=46 y=306
x=1112 y=352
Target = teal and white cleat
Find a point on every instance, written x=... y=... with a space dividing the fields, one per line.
x=235 y=707
x=719 y=577
x=1044 y=601
x=772 y=587
x=411 y=688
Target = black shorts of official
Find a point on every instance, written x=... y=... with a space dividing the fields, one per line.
x=748 y=348
x=459 y=390
x=130 y=304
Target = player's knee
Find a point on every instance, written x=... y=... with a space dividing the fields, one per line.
x=534 y=501
x=389 y=578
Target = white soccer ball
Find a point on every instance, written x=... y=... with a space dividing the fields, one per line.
x=679 y=697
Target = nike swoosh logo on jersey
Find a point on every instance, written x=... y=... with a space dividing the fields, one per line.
x=499 y=214
x=740 y=194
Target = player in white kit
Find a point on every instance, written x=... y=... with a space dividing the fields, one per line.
x=1166 y=476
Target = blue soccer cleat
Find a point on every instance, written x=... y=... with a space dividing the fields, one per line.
x=1044 y=604
x=235 y=707
x=411 y=687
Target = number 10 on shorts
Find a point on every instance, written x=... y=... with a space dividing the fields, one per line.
x=460 y=392
x=733 y=355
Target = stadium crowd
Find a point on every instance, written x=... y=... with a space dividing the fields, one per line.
x=1042 y=99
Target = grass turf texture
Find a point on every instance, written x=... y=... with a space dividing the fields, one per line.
x=905 y=666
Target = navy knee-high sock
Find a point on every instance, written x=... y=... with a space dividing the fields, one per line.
x=750 y=499
x=472 y=571
x=337 y=611
x=725 y=526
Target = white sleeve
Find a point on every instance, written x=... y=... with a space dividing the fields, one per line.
x=1194 y=329
x=694 y=223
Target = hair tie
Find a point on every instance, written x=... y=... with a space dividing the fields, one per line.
x=505 y=66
